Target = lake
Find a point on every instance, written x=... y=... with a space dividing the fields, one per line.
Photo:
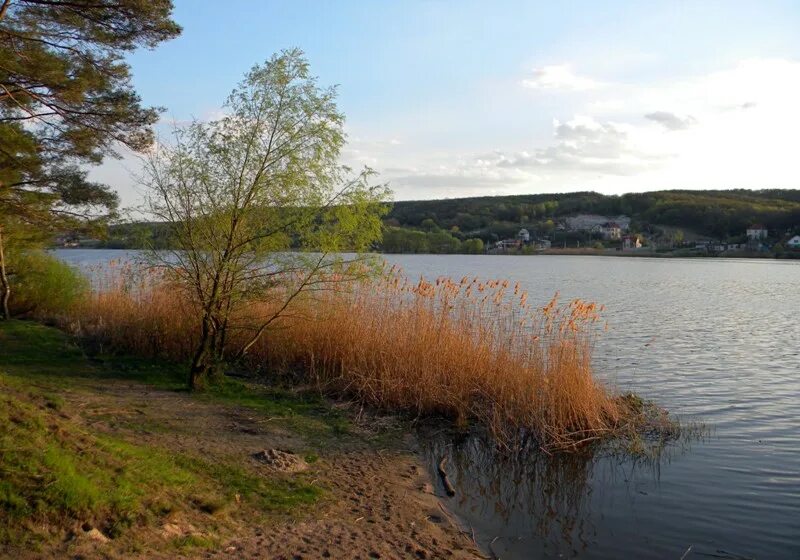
x=712 y=340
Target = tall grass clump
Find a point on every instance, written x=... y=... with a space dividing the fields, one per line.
x=43 y=285
x=463 y=349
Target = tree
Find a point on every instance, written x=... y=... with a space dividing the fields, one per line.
x=237 y=193
x=66 y=100
x=428 y=224
x=473 y=245
x=442 y=242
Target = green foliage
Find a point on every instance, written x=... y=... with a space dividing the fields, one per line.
x=238 y=192
x=63 y=69
x=141 y=235
x=401 y=240
x=43 y=284
x=720 y=214
x=66 y=100
x=473 y=246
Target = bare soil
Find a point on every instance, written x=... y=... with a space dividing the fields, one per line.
x=379 y=500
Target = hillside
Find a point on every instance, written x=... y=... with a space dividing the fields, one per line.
x=719 y=214
x=443 y=226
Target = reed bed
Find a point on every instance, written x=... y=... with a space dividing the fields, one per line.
x=465 y=349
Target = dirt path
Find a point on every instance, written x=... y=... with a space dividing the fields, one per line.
x=379 y=503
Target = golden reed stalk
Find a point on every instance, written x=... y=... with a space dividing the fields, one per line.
x=463 y=349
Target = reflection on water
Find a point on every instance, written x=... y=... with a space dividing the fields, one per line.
x=531 y=504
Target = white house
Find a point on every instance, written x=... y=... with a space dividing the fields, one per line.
x=524 y=235
x=756 y=232
x=611 y=230
x=505 y=244
x=794 y=242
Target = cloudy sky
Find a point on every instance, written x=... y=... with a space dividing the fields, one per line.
x=459 y=98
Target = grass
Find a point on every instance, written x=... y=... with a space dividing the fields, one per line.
x=469 y=350
x=51 y=357
x=57 y=473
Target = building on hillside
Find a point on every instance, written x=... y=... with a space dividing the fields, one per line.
x=756 y=232
x=631 y=242
x=506 y=244
x=524 y=235
x=794 y=242
x=611 y=230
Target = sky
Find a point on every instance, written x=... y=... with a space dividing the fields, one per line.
x=460 y=98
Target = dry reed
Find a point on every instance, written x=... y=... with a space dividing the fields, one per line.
x=465 y=349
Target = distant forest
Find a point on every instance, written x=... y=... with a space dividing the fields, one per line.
x=467 y=224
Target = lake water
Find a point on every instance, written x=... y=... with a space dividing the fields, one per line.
x=712 y=340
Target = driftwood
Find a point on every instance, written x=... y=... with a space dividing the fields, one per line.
x=448 y=487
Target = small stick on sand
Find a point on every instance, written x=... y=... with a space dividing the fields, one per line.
x=446 y=481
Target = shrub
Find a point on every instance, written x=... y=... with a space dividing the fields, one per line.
x=43 y=285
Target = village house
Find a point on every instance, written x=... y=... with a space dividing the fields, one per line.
x=757 y=232
x=794 y=242
x=611 y=230
x=524 y=235
x=631 y=242
x=506 y=244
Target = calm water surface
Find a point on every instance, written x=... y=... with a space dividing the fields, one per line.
x=711 y=340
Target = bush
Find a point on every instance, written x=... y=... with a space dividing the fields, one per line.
x=43 y=285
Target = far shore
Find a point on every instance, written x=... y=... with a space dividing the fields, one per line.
x=573 y=251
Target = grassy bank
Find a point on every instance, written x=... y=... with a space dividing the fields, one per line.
x=465 y=349
x=75 y=469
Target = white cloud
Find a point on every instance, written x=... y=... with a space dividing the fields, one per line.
x=585 y=145
x=733 y=127
x=671 y=121
x=558 y=77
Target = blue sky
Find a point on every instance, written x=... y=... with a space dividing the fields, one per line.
x=463 y=98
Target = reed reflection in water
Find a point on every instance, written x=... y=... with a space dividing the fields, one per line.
x=530 y=504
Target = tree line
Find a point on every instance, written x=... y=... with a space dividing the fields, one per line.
x=469 y=225
x=714 y=213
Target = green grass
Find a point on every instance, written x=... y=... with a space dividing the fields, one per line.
x=46 y=355
x=56 y=472
x=305 y=413
x=190 y=543
x=31 y=349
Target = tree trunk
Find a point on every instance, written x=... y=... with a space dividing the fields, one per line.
x=201 y=361
x=5 y=287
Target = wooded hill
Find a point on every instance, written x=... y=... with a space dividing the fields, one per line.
x=718 y=214
x=443 y=226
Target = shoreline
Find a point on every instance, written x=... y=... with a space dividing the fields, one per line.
x=788 y=256
x=372 y=495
